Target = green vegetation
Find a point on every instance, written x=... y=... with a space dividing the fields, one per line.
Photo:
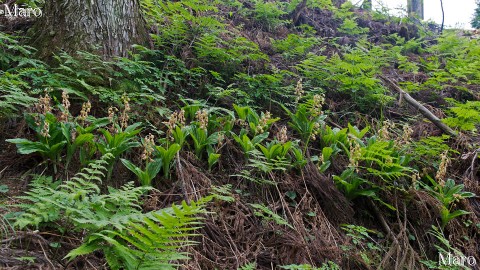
x=476 y=17
x=248 y=135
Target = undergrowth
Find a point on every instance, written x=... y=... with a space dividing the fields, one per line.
x=313 y=161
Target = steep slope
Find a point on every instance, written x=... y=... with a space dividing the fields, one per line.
x=297 y=116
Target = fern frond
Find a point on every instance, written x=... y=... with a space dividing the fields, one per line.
x=114 y=222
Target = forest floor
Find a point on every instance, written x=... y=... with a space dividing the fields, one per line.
x=279 y=215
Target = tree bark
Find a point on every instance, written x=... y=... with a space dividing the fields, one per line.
x=443 y=17
x=367 y=4
x=338 y=3
x=106 y=27
x=415 y=7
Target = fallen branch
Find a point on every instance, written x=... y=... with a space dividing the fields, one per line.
x=472 y=166
x=428 y=114
x=180 y=172
x=19 y=236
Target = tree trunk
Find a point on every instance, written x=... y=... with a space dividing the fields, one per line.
x=106 y=27
x=367 y=4
x=415 y=7
x=338 y=3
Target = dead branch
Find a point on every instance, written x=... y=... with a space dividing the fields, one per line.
x=472 y=166
x=424 y=111
x=19 y=236
x=180 y=172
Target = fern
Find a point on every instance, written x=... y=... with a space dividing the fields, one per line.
x=13 y=96
x=352 y=72
x=268 y=215
x=146 y=241
x=350 y=27
x=224 y=53
x=113 y=222
x=428 y=149
x=15 y=65
x=182 y=21
x=49 y=198
x=294 y=46
x=258 y=163
x=269 y=14
x=444 y=247
x=12 y=51
x=466 y=116
x=326 y=266
x=452 y=60
x=382 y=160
x=248 y=266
